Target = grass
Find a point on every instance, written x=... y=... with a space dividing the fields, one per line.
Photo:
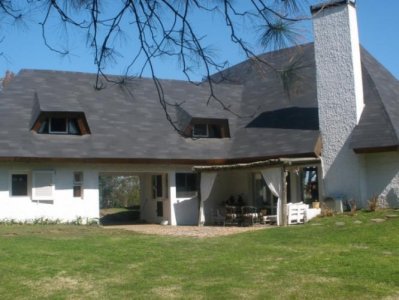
x=320 y=260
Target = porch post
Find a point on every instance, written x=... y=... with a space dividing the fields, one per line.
x=200 y=203
x=172 y=196
x=283 y=208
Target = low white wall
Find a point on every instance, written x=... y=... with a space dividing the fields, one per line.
x=382 y=171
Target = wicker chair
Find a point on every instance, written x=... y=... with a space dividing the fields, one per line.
x=249 y=215
x=232 y=216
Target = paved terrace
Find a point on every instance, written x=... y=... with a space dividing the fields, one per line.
x=187 y=231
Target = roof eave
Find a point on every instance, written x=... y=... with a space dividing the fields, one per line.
x=376 y=149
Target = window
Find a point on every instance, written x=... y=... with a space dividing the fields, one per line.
x=42 y=185
x=157 y=191
x=78 y=184
x=73 y=127
x=61 y=125
x=58 y=125
x=186 y=184
x=200 y=130
x=310 y=187
x=215 y=131
x=19 y=185
x=207 y=131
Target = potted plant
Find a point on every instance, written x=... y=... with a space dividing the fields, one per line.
x=316 y=204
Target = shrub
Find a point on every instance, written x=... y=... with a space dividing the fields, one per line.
x=373 y=203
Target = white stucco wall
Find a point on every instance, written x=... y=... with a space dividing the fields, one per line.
x=383 y=177
x=340 y=99
x=63 y=207
x=67 y=208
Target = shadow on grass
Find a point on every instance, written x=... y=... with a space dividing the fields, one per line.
x=125 y=217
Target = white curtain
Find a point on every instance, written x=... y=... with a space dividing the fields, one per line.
x=207 y=181
x=273 y=180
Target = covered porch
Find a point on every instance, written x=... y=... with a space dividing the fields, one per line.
x=277 y=192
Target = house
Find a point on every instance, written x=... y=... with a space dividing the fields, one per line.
x=332 y=132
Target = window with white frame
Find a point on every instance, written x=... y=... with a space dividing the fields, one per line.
x=186 y=185
x=59 y=125
x=205 y=130
x=42 y=185
x=78 y=184
x=19 y=185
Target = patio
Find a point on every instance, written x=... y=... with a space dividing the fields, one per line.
x=187 y=231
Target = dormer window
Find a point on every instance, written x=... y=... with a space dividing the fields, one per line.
x=64 y=123
x=210 y=128
x=59 y=126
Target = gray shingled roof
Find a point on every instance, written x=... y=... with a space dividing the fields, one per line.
x=379 y=124
x=127 y=121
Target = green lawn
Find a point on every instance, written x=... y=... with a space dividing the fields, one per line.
x=321 y=260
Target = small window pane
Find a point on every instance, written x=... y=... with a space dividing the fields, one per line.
x=78 y=184
x=77 y=191
x=73 y=127
x=58 y=125
x=157 y=191
x=191 y=182
x=78 y=177
x=159 y=209
x=19 y=185
x=180 y=181
x=43 y=127
x=215 y=131
x=200 y=130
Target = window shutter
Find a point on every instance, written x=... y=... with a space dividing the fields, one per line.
x=43 y=185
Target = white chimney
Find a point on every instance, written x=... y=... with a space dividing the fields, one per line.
x=339 y=95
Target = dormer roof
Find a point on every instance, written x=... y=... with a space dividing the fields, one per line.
x=47 y=106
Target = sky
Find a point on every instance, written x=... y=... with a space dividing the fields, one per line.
x=23 y=47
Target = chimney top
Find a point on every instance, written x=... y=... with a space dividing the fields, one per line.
x=6 y=80
x=332 y=3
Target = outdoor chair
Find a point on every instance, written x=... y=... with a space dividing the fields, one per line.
x=218 y=217
x=232 y=216
x=249 y=215
x=263 y=216
x=296 y=213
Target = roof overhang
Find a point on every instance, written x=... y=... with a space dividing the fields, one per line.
x=193 y=162
x=392 y=148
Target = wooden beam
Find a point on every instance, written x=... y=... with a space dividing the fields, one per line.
x=284 y=174
x=260 y=164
